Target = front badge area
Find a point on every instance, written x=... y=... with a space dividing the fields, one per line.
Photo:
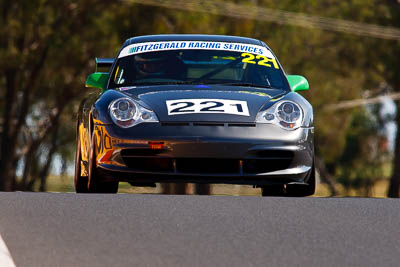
x=218 y=106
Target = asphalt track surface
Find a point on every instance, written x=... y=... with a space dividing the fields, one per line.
x=50 y=229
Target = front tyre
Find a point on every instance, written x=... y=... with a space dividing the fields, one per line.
x=305 y=190
x=96 y=185
x=292 y=190
x=80 y=182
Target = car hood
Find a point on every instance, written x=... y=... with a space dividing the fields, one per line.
x=158 y=98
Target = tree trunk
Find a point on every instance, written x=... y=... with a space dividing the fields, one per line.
x=203 y=189
x=165 y=188
x=177 y=188
x=325 y=176
x=8 y=139
x=395 y=180
x=30 y=158
x=44 y=173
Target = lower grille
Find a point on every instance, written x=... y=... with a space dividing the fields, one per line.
x=210 y=124
x=149 y=164
x=265 y=165
x=205 y=165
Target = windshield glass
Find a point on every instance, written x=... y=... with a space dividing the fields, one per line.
x=250 y=66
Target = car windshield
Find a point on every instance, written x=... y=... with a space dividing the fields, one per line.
x=198 y=66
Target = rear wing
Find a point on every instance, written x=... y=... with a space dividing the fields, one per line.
x=104 y=63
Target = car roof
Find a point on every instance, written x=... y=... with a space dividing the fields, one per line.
x=192 y=37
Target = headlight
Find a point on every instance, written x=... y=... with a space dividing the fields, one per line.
x=126 y=113
x=286 y=114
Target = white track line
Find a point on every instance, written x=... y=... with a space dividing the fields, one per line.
x=5 y=256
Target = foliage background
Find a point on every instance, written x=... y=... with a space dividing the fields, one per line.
x=47 y=48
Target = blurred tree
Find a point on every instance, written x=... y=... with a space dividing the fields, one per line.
x=46 y=49
x=361 y=164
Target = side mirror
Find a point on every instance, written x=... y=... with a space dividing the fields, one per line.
x=97 y=80
x=297 y=83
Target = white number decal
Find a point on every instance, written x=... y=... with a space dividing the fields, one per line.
x=220 y=106
x=182 y=108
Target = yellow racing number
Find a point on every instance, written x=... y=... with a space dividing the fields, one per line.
x=262 y=60
x=248 y=58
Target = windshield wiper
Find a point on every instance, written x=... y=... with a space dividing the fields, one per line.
x=248 y=85
x=163 y=83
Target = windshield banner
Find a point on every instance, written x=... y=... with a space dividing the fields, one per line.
x=201 y=45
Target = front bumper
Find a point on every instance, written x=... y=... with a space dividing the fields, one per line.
x=253 y=154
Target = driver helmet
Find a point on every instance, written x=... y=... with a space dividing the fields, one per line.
x=151 y=64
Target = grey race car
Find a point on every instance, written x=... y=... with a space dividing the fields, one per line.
x=197 y=109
